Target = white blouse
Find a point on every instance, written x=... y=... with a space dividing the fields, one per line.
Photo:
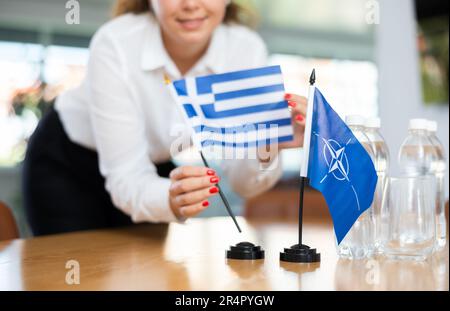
x=124 y=111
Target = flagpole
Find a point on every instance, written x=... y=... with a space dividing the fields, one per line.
x=222 y=196
x=300 y=252
x=300 y=210
x=308 y=125
x=224 y=199
x=305 y=160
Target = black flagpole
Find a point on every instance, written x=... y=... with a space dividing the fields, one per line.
x=312 y=81
x=224 y=199
x=300 y=210
x=242 y=250
x=301 y=252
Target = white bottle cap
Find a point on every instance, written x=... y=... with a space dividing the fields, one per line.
x=432 y=126
x=373 y=122
x=418 y=124
x=355 y=119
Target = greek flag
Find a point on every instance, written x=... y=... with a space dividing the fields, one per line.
x=239 y=109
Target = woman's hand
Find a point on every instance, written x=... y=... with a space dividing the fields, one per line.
x=297 y=105
x=190 y=189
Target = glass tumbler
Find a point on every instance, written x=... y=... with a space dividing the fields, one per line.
x=408 y=217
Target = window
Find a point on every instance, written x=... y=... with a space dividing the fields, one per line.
x=349 y=86
x=31 y=76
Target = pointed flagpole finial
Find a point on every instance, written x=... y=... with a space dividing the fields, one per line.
x=166 y=79
x=312 y=78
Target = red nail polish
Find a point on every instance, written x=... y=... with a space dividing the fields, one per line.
x=213 y=190
x=292 y=104
x=205 y=203
x=214 y=180
x=299 y=117
x=210 y=173
x=287 y=96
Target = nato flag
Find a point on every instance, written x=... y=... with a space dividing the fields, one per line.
x=339 y=167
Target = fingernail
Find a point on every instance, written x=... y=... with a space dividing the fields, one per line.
x=214 y=180
x=205 y=203
x=210 y=172
x=299 y=117
x=287 y=96
x=292 y=104
x=181 y=211
x=213 y=190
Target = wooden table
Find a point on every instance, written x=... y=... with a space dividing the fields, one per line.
x=192 y=257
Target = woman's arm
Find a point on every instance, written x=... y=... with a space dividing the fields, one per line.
x=119 y=131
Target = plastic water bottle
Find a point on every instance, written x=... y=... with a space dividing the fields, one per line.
x=438 y=168
x=359 y=241
x=381 y=163
x=417 y=155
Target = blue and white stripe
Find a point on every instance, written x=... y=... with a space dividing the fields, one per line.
x=237 y=109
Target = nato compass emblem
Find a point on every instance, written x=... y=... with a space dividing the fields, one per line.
x=336 y=159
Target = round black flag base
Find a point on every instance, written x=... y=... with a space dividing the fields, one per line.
x=245 y=251
x=300 y=253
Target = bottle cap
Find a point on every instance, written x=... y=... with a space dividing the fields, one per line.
x=373 y=122
x=418 y=124
x=355 y=119
x=432 y=126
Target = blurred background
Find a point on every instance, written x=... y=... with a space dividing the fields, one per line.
x=374 y=58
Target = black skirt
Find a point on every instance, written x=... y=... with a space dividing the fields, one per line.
x=63 y=189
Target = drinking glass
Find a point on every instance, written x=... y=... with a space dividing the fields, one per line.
x=408 y=217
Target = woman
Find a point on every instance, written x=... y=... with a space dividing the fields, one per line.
x=101 y=158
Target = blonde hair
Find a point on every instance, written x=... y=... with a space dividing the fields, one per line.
x=235 y=13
